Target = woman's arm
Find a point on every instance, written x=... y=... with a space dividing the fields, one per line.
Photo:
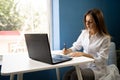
x=78 y=54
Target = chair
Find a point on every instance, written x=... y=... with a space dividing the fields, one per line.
x=112 y=70
x=112 y=59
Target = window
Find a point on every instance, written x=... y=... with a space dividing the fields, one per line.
x=22 y=16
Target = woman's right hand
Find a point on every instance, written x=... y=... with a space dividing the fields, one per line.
x=66 y=51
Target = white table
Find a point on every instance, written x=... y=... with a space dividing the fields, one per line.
x=20 y=63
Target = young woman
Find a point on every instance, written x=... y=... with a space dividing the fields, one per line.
x=95 y=41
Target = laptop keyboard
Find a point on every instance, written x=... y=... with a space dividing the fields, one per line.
x=58 y=58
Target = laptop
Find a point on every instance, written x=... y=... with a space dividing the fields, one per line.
x=39 y=49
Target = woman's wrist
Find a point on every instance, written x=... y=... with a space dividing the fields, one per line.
x=87 y=55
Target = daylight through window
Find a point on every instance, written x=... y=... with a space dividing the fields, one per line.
x=22 y=16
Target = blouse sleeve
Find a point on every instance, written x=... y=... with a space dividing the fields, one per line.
x=102 y=55
x=78 y=45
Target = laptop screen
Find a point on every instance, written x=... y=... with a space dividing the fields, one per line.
x=38 y=47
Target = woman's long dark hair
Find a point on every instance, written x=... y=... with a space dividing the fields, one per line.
x=99 y=20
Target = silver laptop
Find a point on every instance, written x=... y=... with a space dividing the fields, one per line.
x=39 y=49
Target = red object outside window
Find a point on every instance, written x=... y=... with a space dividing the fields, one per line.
x=9 y=33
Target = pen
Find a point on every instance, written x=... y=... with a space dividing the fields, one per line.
x=65 y=46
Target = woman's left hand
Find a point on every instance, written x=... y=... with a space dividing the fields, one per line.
x=76 y=54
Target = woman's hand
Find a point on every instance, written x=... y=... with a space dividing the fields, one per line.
x=66 y=51
x=76 y=54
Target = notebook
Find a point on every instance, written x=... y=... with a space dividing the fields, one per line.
x=39 y=49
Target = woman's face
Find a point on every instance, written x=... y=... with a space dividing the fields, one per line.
x=90 y=23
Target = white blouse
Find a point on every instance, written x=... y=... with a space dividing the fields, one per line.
x=98 y=47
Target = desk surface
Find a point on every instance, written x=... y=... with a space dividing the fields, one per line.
x=21 y=63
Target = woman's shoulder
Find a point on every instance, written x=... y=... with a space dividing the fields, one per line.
x=107 y=37
x=84 y=31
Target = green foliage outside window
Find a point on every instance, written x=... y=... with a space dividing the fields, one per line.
x=9 y=18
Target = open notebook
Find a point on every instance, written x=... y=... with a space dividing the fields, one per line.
x=39 y=49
